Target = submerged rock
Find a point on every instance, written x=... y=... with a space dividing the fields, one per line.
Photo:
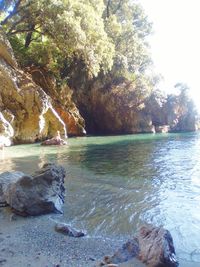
x=68 y=230
x=53 y=142
x=41 y=193
x=153 y=246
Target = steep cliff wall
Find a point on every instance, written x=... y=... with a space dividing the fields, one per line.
x=121 y=109
x=27 y=112
x=118 y=109
x=61 y=96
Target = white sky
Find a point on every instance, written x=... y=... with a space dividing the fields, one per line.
x=175 y=44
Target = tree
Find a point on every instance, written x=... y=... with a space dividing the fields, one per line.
x=106 y=37
x=128 y=26
x=74 y=28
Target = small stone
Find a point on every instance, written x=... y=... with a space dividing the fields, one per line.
x=67 y=230
x=91 y=259
x=107 y=259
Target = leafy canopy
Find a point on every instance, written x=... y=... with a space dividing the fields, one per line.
x=69 y=27
x=95 y=31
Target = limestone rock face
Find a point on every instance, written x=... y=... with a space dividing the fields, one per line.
x=116 y=110
x=27 y=112
x=172 y=113
x=181 y=118
x=118 y=106
x=122 y=109
x=41 y=193
x=61 y=99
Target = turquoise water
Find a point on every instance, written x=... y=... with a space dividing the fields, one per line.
x=115 y=184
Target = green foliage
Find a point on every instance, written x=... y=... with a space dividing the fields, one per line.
x=128 y=27
x=74 y=27
x=95 y=45
x=79 y=39
x=105 y=36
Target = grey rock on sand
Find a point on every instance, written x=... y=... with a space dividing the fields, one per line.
x=68 y=230
x=41 y=193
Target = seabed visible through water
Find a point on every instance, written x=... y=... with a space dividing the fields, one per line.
x=115 y=184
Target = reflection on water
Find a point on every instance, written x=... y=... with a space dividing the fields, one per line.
x=115 y=184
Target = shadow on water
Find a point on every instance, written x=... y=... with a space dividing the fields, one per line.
x=122 y=158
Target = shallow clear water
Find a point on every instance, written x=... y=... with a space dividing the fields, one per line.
x=115 y=184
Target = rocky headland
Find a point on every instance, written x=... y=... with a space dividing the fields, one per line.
x=33 y=107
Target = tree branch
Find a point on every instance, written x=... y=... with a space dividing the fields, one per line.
x=12 y=13
x=108 y=8
x=118 y=7
x=25 y=30
x=29 y=35
x=16 y=23
x=15 y=11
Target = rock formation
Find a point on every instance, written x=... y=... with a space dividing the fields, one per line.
x=122 y=109
x=114 y=110
x=153 y=246
x=27 y=112
x=172 y=113
x=40 y=193
x=61 y=96
x=34 y=105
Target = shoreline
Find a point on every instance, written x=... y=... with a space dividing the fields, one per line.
x=32 y=241
x=137 y=134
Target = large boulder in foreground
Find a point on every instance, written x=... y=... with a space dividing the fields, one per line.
x=41 y=193
x=153 y=246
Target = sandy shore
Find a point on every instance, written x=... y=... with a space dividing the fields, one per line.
x=33 y=242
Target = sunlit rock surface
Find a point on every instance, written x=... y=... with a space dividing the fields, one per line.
x=153 y=246
x=61 y=96
x=27 y=112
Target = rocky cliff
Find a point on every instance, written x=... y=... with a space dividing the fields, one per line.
x=117 y=109
x=27 y=112
x=123 y=108
x=33 y=105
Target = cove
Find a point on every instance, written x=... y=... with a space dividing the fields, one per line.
x=115 y=184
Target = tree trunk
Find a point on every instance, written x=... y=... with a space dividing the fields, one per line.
x=29 y=35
